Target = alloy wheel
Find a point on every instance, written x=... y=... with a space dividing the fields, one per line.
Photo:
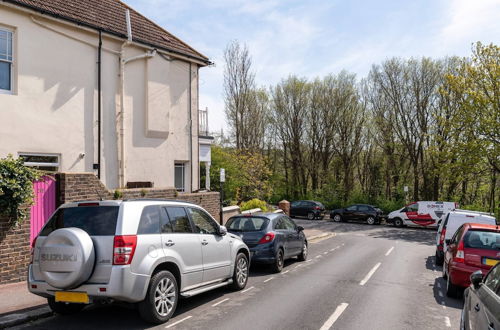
x=336 y=218
x=241 y=271
x=304 y=250
x=165 y=296
x=370 y=220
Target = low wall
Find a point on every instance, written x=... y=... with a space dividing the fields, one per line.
x=86 y=186
x=15 y=251
x=229 y=211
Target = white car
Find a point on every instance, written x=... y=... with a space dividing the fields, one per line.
x=421 y=214
x=149 y=252
x=452 y=222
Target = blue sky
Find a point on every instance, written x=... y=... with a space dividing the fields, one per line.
x=317 y=37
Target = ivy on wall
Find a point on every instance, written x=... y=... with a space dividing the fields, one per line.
x=16 y=187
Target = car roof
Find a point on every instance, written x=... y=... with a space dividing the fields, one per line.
x=474 y=213
x=482 y=226
x=118 y=202
x=268 y=215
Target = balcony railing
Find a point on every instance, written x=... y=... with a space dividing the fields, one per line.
x=203 y=122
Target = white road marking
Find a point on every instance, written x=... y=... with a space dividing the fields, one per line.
x=309 y=260
x=297 y=266
x=175 y=323
x=318 y=256
x=326 y=252
x=447 y=321
x=370 y=273
x=285 y=272
x=246 y=290
x=331 y=320
x=220 y=302
x=441 y=294
x=389 y=252
x=268 y=279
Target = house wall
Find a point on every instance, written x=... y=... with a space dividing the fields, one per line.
x=53 y=108
x=14 y=250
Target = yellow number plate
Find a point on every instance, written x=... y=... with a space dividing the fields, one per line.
x=72 y=297
x=491 y=262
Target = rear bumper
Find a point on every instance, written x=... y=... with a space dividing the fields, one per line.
x=263 y=254
x=123 y=285
x=460 y=273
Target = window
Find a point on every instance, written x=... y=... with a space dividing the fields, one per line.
x=247 y=224
x=457 y=235
x=280 y=224
x=487 y=240
x=203 y=224
x=44 y=162
x=150 y=220
x=352 y=208
x=6 y=59
x=363 y=208
x=492 y=281
x=166 y=226
x=95 y=220
x=412 y=208
x=179 y=176
x=179 y=220
x=289 y=224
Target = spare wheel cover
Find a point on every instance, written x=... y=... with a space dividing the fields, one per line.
x=67 y=258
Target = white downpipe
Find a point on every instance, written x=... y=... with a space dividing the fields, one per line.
x=121 y=114
x=129 y=26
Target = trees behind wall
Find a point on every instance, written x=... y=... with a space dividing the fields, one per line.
x=430 y=124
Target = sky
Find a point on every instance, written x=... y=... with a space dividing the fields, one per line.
x=313 y=38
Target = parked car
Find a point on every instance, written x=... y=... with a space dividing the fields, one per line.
x=450 y=224
x=358 y=212
x=421 y=214
x=310 y=209
x=271 y=237
x=473 y=247
x=148 y=252
x=482 y=301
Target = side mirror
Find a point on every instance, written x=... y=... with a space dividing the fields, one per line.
x=476 y=279
x=300 y=228
x=222 y=230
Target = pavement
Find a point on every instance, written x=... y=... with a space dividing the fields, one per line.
x=19 y=306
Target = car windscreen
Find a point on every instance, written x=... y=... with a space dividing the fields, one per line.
x=480 y=239
x=247 y=224
x=95 y=220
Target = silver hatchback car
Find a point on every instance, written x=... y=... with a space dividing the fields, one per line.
x=148 y=252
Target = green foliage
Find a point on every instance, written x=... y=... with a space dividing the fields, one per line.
x=247 y=174
x=253 y=204
x=117 y=194
x=16 y=187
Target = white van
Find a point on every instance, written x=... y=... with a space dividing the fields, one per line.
x=421 y=214
x=452 y=222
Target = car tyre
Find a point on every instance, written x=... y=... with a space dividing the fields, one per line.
x=438 y=260
x=370 y=220
x=311 y=216
x=64 y=308
x=398 y=222
x=240 y=274
x=163 y=285
x=303 y=254
x=451 y=289
x=337 y=218
x=279 y=262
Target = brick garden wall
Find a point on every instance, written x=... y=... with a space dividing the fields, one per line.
x=14 y=250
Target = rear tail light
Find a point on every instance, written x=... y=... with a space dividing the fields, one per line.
x=442 y=236
x=317 y=208
x=88 y=204
x=269 y=237
x=32 y=252
x=123 y=249
x=460 y=256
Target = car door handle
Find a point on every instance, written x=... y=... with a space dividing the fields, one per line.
x=477 y=308
x=169 y=243
x=204 y=243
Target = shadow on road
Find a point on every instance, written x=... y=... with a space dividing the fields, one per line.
x=439 y=287
x=413 y=235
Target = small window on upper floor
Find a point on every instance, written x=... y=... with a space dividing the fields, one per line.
x=44 y=162
x=6 y=59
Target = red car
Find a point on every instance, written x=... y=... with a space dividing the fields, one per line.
x=473 y=247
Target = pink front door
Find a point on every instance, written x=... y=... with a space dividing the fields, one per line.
x=45 y=204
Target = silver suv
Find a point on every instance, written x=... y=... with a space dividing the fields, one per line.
x=148 y=252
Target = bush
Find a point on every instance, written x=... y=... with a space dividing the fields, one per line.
x=16 y=187
x=253 y=204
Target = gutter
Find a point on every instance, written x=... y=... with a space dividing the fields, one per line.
x=13 y=3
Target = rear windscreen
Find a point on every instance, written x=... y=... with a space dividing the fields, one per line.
x=95 y=220
x=477 y=239
x=247 y=224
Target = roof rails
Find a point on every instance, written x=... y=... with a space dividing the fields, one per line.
x=155 y=200
x=477 y=212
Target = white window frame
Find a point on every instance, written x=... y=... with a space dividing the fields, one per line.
x=183 y=166
x=11 y=61
x=41 y=164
